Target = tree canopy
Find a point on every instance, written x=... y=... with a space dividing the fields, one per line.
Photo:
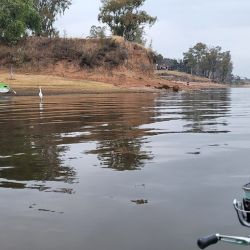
x=48 y=11
x=125 y=18
x=209 y=62
x=201 y=60
x=97 y=32
x=18 y=18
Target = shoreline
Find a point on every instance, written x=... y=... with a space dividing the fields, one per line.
x=28 y=85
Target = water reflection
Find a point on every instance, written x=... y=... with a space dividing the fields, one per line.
x=203 y=111
x=58 y=179
x=207 y=110
x=34 y=140
x=41 y=108
x=122 y=154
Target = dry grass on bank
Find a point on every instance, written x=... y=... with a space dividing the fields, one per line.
x=29 y=84
x=180 y=76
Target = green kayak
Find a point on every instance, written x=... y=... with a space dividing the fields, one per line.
x=4 y=88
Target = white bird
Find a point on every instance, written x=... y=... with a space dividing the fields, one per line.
x=40 y=93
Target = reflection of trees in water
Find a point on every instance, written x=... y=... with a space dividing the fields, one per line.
x=31 y=138
x=29 y=152
x=120 y=142
x=113 y=122
x=204 y=108
x=32 y=157
x=122 y=154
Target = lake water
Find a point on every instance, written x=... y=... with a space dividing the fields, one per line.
x=122 y=171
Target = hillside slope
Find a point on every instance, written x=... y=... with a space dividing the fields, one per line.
x=79 y=58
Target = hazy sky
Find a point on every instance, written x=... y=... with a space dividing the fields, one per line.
x=181 y=24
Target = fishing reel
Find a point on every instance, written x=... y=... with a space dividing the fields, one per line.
x=243 y=212
x=243 y=208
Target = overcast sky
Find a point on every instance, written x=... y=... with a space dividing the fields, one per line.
x=181 y=24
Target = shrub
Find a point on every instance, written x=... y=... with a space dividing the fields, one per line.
x=110 y=55
x=65 y=50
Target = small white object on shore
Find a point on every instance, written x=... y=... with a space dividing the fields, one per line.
x=40 y=93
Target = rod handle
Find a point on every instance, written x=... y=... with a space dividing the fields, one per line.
x=207 y=241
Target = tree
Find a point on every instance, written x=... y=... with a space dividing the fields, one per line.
x=195 y=59
x=125 y=18
x=18 y=18
x=97 y=32
x=190 y=61
x=48 y=11
x=209 y=62
x=212 y=61
x=200 y=50
x=225 y=67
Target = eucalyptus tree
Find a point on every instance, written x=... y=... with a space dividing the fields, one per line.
x=97 y=32
x=212 y=62
x=225 y=67
x=125 y=18
x=190 y=61
x=48 y=11
x=209 y=62
x=197 y=59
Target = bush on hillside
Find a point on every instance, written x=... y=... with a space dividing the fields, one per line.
x=110 y=55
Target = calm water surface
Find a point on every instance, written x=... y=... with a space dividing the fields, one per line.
x=122 y=171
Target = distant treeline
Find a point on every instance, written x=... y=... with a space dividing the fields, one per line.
x=240 y=80
x=201 y=60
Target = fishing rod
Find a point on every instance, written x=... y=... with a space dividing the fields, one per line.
x=213 y=239
x=243 y=213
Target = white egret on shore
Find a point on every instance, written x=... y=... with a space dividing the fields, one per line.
x=40 y=93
